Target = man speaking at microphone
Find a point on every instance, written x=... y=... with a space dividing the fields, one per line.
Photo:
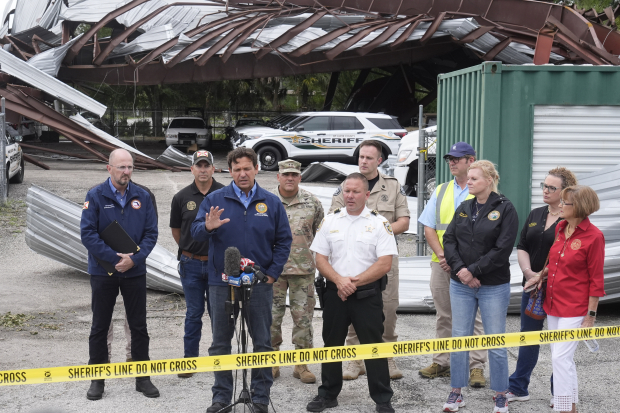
x=245 y=216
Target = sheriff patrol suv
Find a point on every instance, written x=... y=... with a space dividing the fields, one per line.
x=14 y=160
x=324 y=136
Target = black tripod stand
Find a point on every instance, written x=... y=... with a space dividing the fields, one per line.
x=244 y=294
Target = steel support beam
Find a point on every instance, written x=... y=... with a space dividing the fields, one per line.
x=248 y=68
x=331 y=91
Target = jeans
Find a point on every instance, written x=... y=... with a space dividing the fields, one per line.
x=528 y=355
x=104 y=292
x=493 y=302
x=259 y=322
x=195 y=283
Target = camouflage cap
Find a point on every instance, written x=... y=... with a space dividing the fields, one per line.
x=289 y=165
x=202 y=156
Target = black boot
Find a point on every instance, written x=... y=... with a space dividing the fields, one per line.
x=95 y=392
x=144 y=385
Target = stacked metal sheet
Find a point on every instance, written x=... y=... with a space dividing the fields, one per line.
x=53 y=230
x=327 y=171
x=174 y=157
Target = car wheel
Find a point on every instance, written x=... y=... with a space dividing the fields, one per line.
x=269 y=157
x=19 y=177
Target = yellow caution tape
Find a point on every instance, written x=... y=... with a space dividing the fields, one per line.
x=306 y=356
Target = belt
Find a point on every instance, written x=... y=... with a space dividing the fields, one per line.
x=195 y=256
x=372 y=286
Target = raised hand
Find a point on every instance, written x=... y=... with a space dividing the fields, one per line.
x=212 y=219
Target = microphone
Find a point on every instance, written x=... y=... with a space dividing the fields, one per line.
x=232 y=257
x=255 y=269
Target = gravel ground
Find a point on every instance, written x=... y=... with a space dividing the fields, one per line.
x=55 y=303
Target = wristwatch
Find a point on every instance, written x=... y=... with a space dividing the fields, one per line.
x=592 y=313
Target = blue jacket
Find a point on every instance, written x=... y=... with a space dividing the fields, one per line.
x=138 y=219
x=261 y=233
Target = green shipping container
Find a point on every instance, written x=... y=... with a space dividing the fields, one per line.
x=528 y=119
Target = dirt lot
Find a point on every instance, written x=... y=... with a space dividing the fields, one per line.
x=45 y=321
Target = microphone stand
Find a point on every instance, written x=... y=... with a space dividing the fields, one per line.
x=245 y=292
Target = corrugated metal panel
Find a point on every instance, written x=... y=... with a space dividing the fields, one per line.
x=50 y=60
x=52 y=86
x=50 y=17
x=27 y=13
x=583 y=139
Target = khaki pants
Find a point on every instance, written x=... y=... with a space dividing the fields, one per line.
x=440 y=289
x=390 y=305
x=127 y=337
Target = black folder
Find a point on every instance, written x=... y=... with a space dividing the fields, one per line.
x=119 y=240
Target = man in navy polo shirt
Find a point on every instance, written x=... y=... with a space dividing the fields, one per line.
x=193 y=255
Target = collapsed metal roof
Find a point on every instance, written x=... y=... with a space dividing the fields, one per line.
x=157 y=41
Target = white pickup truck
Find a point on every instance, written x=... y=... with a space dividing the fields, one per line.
x=406 y=166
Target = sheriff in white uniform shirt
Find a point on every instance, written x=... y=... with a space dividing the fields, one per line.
x=354 y=248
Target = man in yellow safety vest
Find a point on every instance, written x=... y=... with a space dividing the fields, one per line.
x=436 y=217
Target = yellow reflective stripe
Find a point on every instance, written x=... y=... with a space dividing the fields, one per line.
x=440 y=195
x=444 y=211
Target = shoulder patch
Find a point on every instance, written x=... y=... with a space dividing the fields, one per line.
x=402 y=191
x=337 y=211
x=388 y=227
x=338 y=191
x=85 y=205
x=374 y=212
x=320 y=225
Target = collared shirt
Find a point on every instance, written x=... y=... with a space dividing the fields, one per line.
x=354 y=243
x=387 y=197
x=183 y=211
x=122 y=199
x=245 y=199
x=305 y=213
x=575 y=270
x=428 y=217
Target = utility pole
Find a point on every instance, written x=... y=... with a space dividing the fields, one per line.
x=4 y=176
x=421 y=247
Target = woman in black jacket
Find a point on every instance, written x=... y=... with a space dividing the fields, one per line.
x=537 y=236
x=477 y=246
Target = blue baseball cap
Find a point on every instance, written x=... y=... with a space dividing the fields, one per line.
x=460 y=149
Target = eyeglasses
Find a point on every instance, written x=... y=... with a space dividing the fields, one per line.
x=124 y=167
x=549 y=188
x=452 y=159
x=562 y=203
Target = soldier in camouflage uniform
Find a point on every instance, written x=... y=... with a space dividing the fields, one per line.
x=305 y=214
